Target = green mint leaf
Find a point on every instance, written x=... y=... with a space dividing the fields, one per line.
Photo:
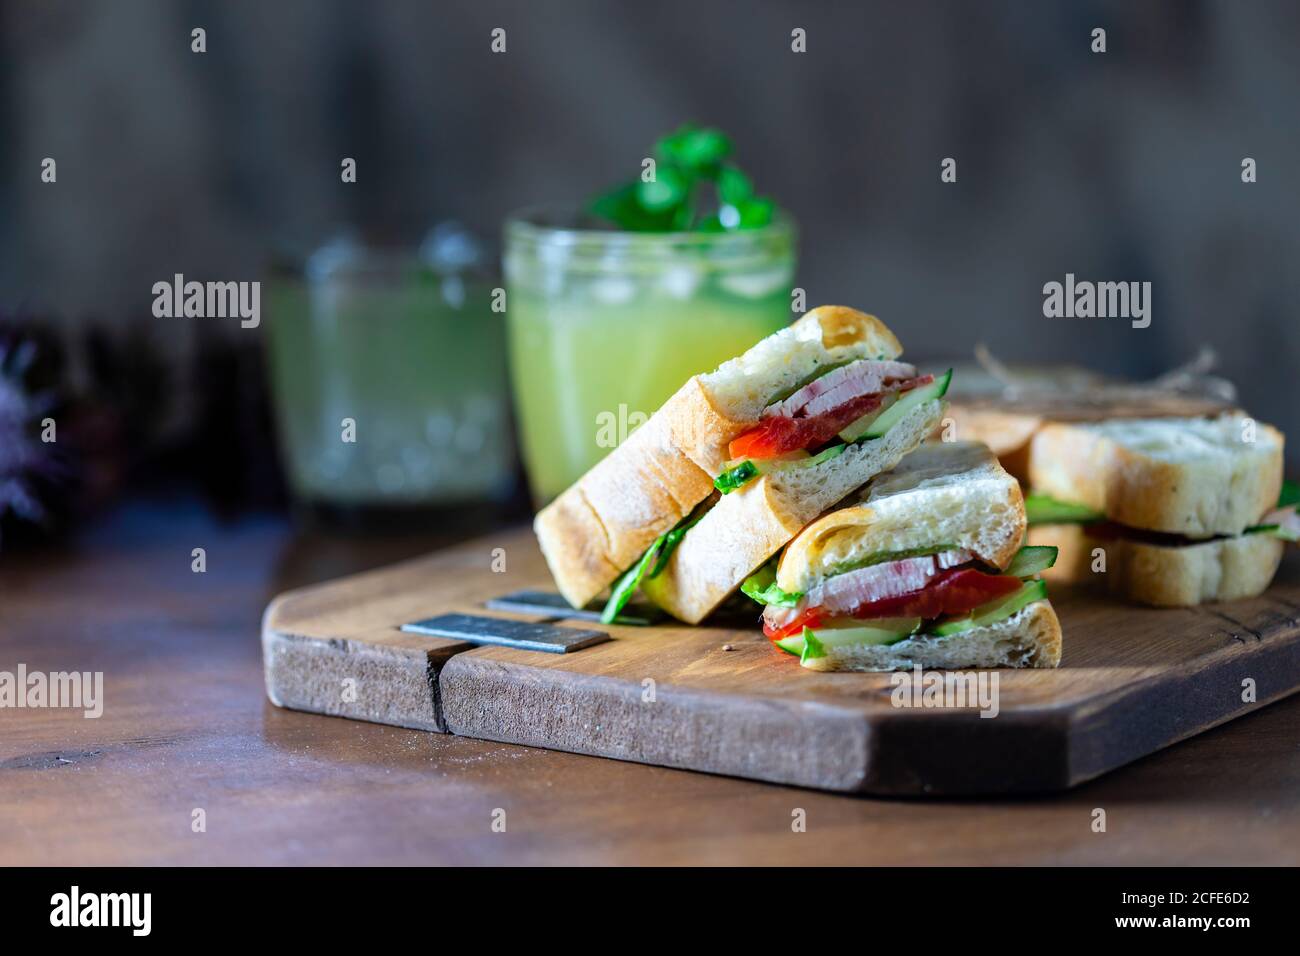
x=695 y=148
x=611 y=205
x=666 y=191
x=755 y=213
x=621 y=207
x=734 y=186
x=696 y=188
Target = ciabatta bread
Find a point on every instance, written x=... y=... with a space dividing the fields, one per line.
x=1189 y=476
x=1222 y=569
x=952 y=494
x=1005 y=417
x=745 y=528
x=1029 y=638
x=601 y=524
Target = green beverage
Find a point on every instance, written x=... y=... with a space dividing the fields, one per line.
x=604 y=326
x=613 y=307
x=412 y=356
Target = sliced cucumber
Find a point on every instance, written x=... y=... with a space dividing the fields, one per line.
x=749 y=469
x=898 y=625
x=841 y=636
x=791 y=645
x=739 y=473
x=1044 y=509
x=996 y=610
x=826 y=454
x=733 y=478
x=917 y=396
x=858 y=428
x=1031 y=560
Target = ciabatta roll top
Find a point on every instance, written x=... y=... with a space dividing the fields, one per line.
x=1190 y=476
x=952 y=494
x=829 y=335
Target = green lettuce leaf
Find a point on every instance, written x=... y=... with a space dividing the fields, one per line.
x=1044 y=509
x=761 y=587
x=1290 y=494
x=650 y=565
x=1031 y=560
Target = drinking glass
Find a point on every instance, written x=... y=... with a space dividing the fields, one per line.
x=605 y=325
x=389 y=376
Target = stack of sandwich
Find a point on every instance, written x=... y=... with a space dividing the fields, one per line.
x=1170 y=512
x=925 y=567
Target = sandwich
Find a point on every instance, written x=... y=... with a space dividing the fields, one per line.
x=752 y=450
x=926 y=568
x=1168 y=512
x=1006 y=418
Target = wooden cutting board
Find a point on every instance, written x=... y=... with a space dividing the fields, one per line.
x=721 y=699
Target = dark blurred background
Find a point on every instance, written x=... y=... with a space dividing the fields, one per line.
x=1120 y=166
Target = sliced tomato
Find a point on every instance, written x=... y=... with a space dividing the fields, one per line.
x=953 y=592
x=810 y=618
x=780 y=435
x=956 y=591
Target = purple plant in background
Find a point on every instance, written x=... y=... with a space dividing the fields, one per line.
x=27 y=464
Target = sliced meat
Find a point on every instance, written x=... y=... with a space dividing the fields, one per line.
x=954 y=591
x=844 y=593
x=839 y=386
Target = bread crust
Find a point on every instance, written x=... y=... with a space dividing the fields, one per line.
x=1007 y=422
x=600 y=525
x=1029 y=638
x=699 y=428
x=1004 y=432
x=1225 y=569
x=842 y=325
x=745 y=528
x=1117 y=469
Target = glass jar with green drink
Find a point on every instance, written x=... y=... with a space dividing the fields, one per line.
x=605 y=324
x=389 y=378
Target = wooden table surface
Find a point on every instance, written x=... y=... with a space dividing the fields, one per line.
x=186 y=726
